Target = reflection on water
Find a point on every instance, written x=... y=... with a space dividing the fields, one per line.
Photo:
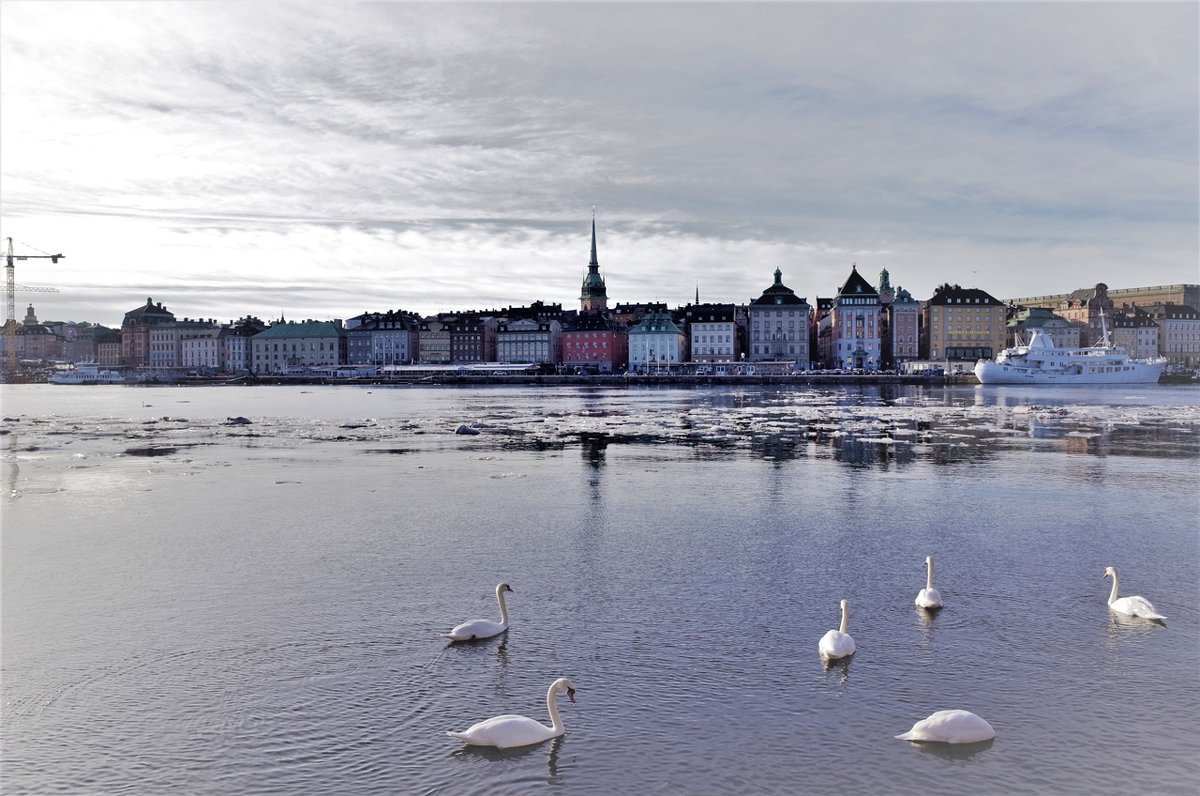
x=954 y=751
x=838 y=668
x=533 y=752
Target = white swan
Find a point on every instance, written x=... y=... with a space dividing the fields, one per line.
x=483 y=628
x=929 y=597
x=1131 y=606
x=509 y=730
x=837 y=643
x=950 y=726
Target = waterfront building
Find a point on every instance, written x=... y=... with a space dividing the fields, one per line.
x=1136 y=331
x=433 y=340
x=237 y=354
x=108 y=347
x=164 y=346
x=136 y=329
x=1179 y=334
x=80 y=340
x=33 y=340
x=529 y=340
x=855 y=330
x=199 y=345
x=714 y=333
x=1022 y=321
x=821 y=333
x=778 y=326
x=655 y=343
x=36 y=340
x=473 y=338
x=594 y=343
x=963 y=325
x=382 y=338
x=288 y=346
x=903 y=315
x=593 y=299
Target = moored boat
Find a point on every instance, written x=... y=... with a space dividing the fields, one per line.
x=1042 y=362
x=87 y=373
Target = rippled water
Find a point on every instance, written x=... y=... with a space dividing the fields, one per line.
x=193 y=606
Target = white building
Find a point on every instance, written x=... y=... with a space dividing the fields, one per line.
x=1137 y=332
x=713 y=332
x=199 y=345
x=655 y=343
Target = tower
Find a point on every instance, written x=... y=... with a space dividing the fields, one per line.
x=594 y=296
x=886 y=293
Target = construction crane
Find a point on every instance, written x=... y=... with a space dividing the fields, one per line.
x=10 y=275
x=10 y=282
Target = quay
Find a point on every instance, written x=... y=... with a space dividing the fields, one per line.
x=599 y=380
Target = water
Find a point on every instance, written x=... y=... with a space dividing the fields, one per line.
x=192 y=606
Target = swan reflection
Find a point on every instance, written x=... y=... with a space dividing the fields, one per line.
x=519 y=753
x=1124 y=628
x=954 y=751
x=839 y=667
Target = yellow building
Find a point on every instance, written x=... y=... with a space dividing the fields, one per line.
x=963 y=324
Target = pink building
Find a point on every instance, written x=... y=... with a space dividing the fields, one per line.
x=596 y=344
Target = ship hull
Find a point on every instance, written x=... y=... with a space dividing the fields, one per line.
x=991 y=372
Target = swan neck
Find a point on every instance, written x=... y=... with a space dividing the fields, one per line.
x=1112 y=596
x=503 y=607
x=552 y=706
x=929 y=576
x=845 y=621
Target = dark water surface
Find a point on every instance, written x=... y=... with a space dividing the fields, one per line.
x=191 y=606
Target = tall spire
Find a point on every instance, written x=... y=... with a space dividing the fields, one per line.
x=594 y=263
x=594 y=297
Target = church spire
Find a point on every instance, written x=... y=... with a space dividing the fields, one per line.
x=594 y=297
x=595 y=263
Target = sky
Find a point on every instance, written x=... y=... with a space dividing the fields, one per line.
x=325 y=159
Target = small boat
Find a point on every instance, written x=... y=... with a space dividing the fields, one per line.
x=87 y=373
x=1041 y=362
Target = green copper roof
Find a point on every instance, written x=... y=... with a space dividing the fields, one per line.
x=301 y=329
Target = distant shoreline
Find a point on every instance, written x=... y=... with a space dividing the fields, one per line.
x=682 y=380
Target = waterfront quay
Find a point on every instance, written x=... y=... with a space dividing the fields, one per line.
x=606 y=380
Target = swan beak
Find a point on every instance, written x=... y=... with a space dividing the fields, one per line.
x=571 y=694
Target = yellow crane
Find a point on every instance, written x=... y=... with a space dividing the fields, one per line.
x=10 y=282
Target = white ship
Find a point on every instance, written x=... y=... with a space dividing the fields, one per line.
x=87 y=373
x=1041 y=362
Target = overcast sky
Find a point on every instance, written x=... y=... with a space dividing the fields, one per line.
x=322 y=159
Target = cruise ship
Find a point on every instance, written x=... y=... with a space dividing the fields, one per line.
x=87 y=373
x=1041 y=362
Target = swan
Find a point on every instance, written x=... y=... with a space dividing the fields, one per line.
x=509 y=730
x=950 y=726
x=837 y=643
x=483 y=628
x=929 y=597
x=1131 y=606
